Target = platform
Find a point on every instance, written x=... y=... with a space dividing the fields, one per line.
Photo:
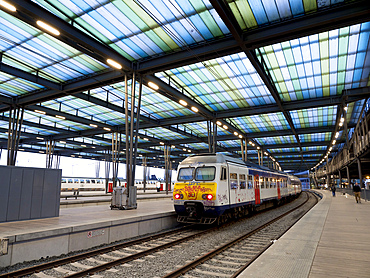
x=331 y=240
x=80 y=228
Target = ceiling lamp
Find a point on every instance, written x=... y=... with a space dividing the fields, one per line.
x=47 y=27
x=114 y=64
x=183 y=102
x=7 y=6
x=194 y=109
x=153 y=85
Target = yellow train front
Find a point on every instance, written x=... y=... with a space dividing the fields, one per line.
x=215 y=187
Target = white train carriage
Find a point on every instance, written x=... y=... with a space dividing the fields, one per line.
x=96 y=186
x=212 y=187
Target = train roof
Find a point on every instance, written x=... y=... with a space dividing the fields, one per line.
x=221 y=158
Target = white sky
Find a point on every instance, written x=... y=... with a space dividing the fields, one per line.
x=77 y=167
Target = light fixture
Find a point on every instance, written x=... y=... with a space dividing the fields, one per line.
x=22 y=150
x=146 y=139
x=107 y=128
x=93 y=147
x=41 y=112
x=341 y=120
x=40 y=138
x=63 y=142
x=161 y=143
x=153 y=85
x=47 y=27
x=345 y=108
x=189 y=151
x=184 y=150
x=334 y=141
x=80 y=156
x=114 y=64
x=258 y=147
x=240 y=136
x=219 y=123
x=183 y=102
x=60 y=117
x=93 y=125
x=235 y=133
x=337 y=134
x=194 y=109
x=7 y=6
x=250 y=143
x=225 y=126
x=173 y=146
x=84 y=146
x=41 y=152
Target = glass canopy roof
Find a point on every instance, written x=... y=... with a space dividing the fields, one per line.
x=283 y=96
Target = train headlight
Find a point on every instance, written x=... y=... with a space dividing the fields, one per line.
x=209 y=197
x=178 y=196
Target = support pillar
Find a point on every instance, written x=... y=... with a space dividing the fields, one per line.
x=360 y=176
x=348 y=178
x=242 y=148
x=97 y=169
x=340 y=179
x=145 y=172
x=246 y=150
x=107 y=169
x=14 y=133
x=214 y=135
x=116 y=147
x=167 y=167
x=49 y=150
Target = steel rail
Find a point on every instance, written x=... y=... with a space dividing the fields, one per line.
x=88 y=254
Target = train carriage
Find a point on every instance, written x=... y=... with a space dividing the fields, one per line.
x=215 y=187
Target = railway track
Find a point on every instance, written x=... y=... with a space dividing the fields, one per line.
x=105 y=258
x=230 y=259
x=107 y=261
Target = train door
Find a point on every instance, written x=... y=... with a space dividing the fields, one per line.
x=257 y=193
x=233 y=183
x=223 y=192
x=278 y=181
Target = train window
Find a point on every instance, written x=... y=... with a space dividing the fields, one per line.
x=87 y=181
x=76 y=181
x=262 y=182
x=233 y=180
x=267 y=182
x=205 y=173
x=64 y=181
x=273 y=183
x=242 y=181
x=82 y=181
x=70 y=181
x=92 y=181
x=186 y=174
x=250 y=182
x=223 y=174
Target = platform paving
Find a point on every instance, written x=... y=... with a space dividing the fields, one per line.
x=332 y=240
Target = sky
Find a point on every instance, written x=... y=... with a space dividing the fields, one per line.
x=78 y=167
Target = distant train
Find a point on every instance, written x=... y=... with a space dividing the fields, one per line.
x=90 y=186
x=215 y=187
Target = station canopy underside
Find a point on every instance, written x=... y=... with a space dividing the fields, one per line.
x=280 y=73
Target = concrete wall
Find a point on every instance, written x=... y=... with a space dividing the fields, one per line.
x=29 y=193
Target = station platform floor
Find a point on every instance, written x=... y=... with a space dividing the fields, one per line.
x=331 y=240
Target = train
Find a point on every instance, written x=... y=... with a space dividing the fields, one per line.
x=95 y=186
x=216 y=188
